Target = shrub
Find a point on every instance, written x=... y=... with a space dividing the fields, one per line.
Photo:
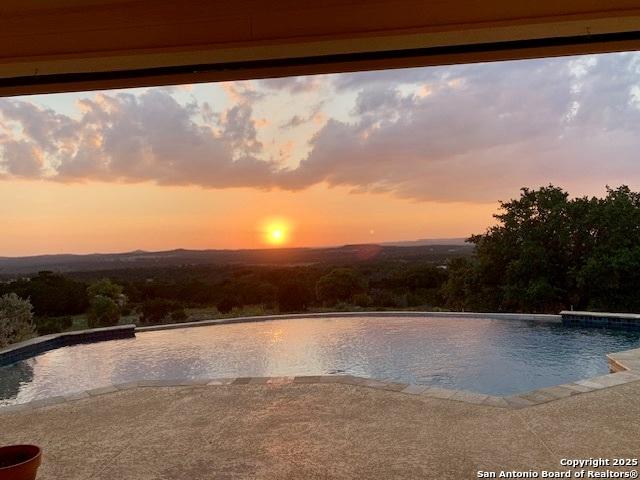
x=293 y=297
x=106 y=288
x=47 y=325
x=340 y=285
x=251 y=311
x=343 y=307
x=159 y=310
x=362 y=300
x=103 y=312
x=387 y=299
x=225 y=305
x=179 y=316
x=51 y=294
x=16 y=319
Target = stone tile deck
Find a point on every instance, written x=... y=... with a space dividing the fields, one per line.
x=339 y=429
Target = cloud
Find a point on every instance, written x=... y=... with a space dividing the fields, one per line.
x=478 y=132
x=134 y=138
x=461 y=133
x=294 y=85
x=315 y=114
x=21 y=159
x=355 y=81
x=294 y=122
x=242 y=92
x=239 y=129
x=44 y=126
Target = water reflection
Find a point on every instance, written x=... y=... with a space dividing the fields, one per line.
x=12 y=377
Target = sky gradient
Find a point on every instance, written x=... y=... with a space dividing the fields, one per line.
x=345 y=158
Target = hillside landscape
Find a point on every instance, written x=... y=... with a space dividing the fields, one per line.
x=427 y=250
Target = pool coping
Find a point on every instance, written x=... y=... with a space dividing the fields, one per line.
x=527 y=317
x=509 y=402
x=624 y=365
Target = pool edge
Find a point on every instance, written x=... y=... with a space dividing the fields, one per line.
x=38 y=345
x=526 y=317
x=624 y=366
x=510 y=402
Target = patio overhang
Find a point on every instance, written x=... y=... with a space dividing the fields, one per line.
x=69 y=45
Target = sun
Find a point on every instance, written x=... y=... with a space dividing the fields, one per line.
x=276 y=232
x=277 y=235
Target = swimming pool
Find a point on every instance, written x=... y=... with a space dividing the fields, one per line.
x=497 y=357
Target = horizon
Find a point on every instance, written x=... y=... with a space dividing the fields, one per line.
x=457 y=241
x=353 y=158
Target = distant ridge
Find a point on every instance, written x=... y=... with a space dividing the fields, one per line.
x=428 y=241
x=430 y=250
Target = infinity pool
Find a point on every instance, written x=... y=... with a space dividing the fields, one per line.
x=497 y=357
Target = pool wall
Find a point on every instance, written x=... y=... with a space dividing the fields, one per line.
x=37 y=345
x=622 y=321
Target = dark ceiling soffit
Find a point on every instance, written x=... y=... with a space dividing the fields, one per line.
x=270 y=65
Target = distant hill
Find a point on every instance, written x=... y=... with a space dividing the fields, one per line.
x=428 y=241
x=435 y=253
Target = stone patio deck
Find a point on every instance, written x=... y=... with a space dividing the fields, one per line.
x=287 y=430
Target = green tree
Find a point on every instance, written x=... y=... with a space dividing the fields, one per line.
x=106 y=288
x=51 y=294
x=103 y=312
x=461 y=289
x=16 y=319
x=179 y=316
x=294 y=296
x=47 y=325
x=608 y=277
x=159 y=310
x=548 y=252
x=525 y=255
x=226 y=304
x=340 y=285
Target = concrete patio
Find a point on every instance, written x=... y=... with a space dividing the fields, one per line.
x=314 y=430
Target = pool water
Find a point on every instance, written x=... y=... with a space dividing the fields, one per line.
x=497 y=357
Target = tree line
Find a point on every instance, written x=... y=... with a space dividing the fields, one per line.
x=167 y=296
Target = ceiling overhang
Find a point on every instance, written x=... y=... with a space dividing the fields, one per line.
x=69 y=45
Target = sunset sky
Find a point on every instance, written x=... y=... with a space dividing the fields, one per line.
x=323 y=160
